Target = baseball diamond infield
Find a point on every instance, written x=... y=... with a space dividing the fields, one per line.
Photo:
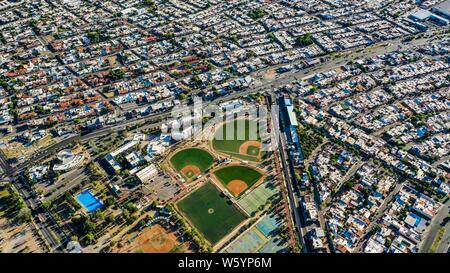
x=238 y=178
x=157 y=240
x=191 y=162
x=210 y=212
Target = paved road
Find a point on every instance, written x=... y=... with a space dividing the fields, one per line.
x=436 y=224
x=380 y=213
x=42 y=219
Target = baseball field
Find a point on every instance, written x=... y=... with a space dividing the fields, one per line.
x=240 y=139
x=191 y=162
x=210 y=212
x=238 y=178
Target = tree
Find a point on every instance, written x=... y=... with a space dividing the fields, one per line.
x=305 y=40
x=126 y=214
x=116 y=75
x=109 y=201
x=150 y=4
x=196 y=79
x=89 y=226
x=24 y=215
x=257 y=13
x=46 y=204
x=110 y=218
x=94 y=37
x=89 y=239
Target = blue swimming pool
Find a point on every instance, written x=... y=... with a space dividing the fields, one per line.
x=89 y=201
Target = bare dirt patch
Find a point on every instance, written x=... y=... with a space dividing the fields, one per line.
x=237 y=187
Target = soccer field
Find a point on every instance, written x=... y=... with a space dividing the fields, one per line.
x=213 y=215
x=191 y=162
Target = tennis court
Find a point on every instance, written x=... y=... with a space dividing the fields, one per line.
x=249 y=242
x=274 y=245
x=268 y=225
x=260 y=238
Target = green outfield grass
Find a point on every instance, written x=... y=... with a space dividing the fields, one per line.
x=192 y=156
x=249 y=175
x=230 y=145
x=211 y=213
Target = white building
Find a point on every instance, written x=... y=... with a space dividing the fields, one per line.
x=67 y=160
x=147 y=173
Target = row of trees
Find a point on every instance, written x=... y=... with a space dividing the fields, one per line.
x=17 y=211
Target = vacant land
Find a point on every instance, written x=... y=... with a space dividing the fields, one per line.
x=210 y=212
x=15 y=237
x=238 y=178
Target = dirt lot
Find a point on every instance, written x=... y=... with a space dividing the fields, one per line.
x=16 y=239
x=18 y=150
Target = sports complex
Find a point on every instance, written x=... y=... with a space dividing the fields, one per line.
x=223 y=197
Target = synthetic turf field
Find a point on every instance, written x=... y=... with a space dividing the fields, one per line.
x=213 y=215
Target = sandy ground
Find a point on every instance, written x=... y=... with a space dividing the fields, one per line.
x=16 y=239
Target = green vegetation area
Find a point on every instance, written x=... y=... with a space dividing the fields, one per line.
x=305 y=40
x=116 y=75
x=418 y=118
x=230 y=144
x=257 y=13
x=94 y=37
x=12 y=206
x=192 y=156
x=2 y=38
x=310 y=139
x=437 y=240
x=151 y=5
x=249 y=175
x=211 y=212
x=234 y=39
x=177 y=249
